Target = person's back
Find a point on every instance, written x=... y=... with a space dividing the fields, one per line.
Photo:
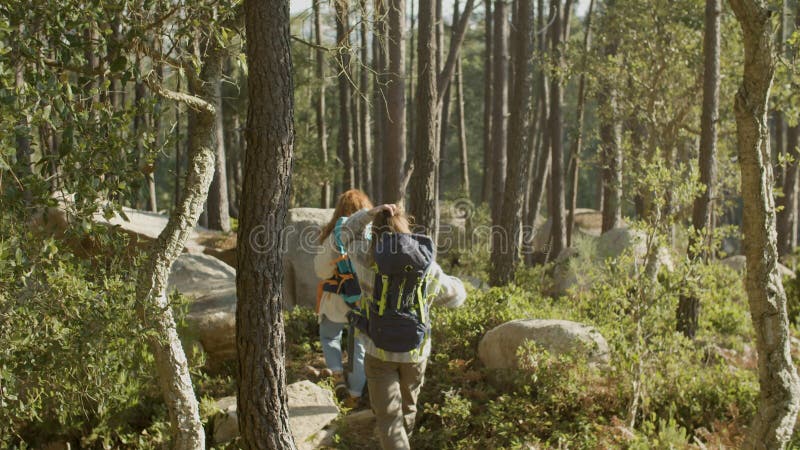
x=394 y=315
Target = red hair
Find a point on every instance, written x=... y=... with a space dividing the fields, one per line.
x=347 y=204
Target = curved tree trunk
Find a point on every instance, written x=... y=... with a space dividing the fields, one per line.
x=780 y=387
x=260 y=340
x=155 y=310
x=689 y=306
x=506 y=257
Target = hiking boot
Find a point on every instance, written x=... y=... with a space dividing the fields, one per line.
x=351 y=402
x=312 y=372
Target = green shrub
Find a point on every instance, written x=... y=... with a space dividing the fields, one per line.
x=74 y=364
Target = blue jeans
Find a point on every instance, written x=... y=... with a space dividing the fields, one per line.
x=330 y=335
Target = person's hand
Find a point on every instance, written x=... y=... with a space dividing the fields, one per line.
x=390 y=207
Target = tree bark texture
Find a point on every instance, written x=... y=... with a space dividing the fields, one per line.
x=575 y=152
x=365 y=146
x=780 y=388
x=345 y=142
x=505 y=255
x=379 y=94
x=462 y=131
x=558 y=229
x=260 y=340
x=395 y=150
x=423 y=183
x=488 y=170
x=218 y=204
x=319 y=103
x=688 y=305
x=499 y=107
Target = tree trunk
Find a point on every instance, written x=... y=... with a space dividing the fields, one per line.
x=319 y=104
x=787 y=216
x=379 y=100
x=395 y=151
x=260 y=340
x=178 y=156
x=155 y=309
x=575 y=152
x=558 y=230
x=24 y=153
x=505 y=255
x=345 y=141
x=499 y=107
x=689 y=305
x=423 y=183
x=365 y=145
x=486 y=184
x=462 y=131
x=780 y=387
x=218 y=205
x=410 y=109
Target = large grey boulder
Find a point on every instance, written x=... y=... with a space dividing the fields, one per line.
x=609 y=245
x=311 y=410
x=211 y=286
x=498 y=347
x=301 y=244
x=588 y=222
x=739 y=264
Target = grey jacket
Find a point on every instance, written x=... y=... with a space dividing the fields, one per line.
x=447 y=291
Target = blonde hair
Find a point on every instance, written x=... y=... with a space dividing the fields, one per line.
x=346 y=205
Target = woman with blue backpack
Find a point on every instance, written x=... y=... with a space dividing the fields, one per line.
x=337 y=294
x=400 y=280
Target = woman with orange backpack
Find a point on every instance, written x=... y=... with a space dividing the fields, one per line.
x=338 y=293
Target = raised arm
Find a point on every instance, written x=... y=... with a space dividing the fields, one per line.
x=448 y=291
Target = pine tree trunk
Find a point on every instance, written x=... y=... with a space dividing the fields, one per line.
x=319 y=103
x=178 y=155
x=688 y=305
x=506 y=256
x=260 y=340
x=345 y=142
x=423 y=183
x=462 y=131
x=379 y=95
x=499 y=107
x=486 y=183
x=218 y=204
x=780 y=387
x=575 y=152
x=364 y=116
x=395 y=152
x=558 y=229
x=24 y=154
x=787 y=216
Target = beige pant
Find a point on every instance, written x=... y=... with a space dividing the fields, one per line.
x=393 y=391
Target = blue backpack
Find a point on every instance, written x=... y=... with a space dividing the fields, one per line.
x=344 y=281
x=397 y=318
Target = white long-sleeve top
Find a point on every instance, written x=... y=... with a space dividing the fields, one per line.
x=447 y=291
